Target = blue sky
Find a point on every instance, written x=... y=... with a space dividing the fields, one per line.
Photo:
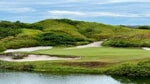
x=130 y=12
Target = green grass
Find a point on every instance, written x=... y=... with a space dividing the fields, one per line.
x=29 y=32
x=104 y=54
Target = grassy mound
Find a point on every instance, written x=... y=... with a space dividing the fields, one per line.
x=138 y=38
x=64 y=32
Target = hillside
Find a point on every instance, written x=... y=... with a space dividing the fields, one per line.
x=65 y=32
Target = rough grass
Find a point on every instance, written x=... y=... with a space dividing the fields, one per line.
x=52 y=25
x=138 y=38
x=133 y=69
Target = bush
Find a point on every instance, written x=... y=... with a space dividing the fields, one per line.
x=5 y=32
x=53 y=38
x=71 y=22
x=144 y=27
x=18 y=42
x=141 y=69
x=120 y=43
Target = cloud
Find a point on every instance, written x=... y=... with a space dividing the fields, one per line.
x=129 y=1
x=121 y=10
x=121 y=1
x=90 y=14
x=18 y=10
x=58 y=12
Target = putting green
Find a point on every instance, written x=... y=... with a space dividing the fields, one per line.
x=105 y=54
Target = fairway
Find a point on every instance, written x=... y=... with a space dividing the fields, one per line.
x=103 y=54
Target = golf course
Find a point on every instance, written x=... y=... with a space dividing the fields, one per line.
x=68 y=46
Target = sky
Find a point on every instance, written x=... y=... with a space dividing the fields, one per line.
x=125 y=12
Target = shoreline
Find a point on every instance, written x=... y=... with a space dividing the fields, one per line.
x=138 y=69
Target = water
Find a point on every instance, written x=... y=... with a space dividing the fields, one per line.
x=38 y=78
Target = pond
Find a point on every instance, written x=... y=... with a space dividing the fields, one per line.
x=40 y=78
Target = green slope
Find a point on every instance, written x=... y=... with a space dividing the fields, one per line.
x=64 y=32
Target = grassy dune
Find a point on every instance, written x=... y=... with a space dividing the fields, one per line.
x=72 y=32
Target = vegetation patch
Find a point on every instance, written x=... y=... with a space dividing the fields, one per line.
x=87 y=64
x=15 y=55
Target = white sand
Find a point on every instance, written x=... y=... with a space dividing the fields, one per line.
x=94 y=44
x=35 y=58
x=29 y=49
x=146 y=48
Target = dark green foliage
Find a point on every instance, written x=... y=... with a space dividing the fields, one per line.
x=144 y=27
x=141 y=69
x=53 y=38
x=120 y=43
x=18 y=25
x=14 y=28
x=5 y=32
x=71 y=22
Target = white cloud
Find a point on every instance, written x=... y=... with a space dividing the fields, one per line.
x=121 y=1
x=90 y=14
x=18 y=10
x=129 y=1
x=58 y=12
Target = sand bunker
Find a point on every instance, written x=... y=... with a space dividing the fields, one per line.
x=30 y=49
x=35 y=58
x=146 y=48
x=94 y=44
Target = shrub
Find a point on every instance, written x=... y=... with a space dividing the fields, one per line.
x=141 y=69
x=144 y=27
x=18 y=42
x=120 y=43
x=5 y=32
x=53 y=38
